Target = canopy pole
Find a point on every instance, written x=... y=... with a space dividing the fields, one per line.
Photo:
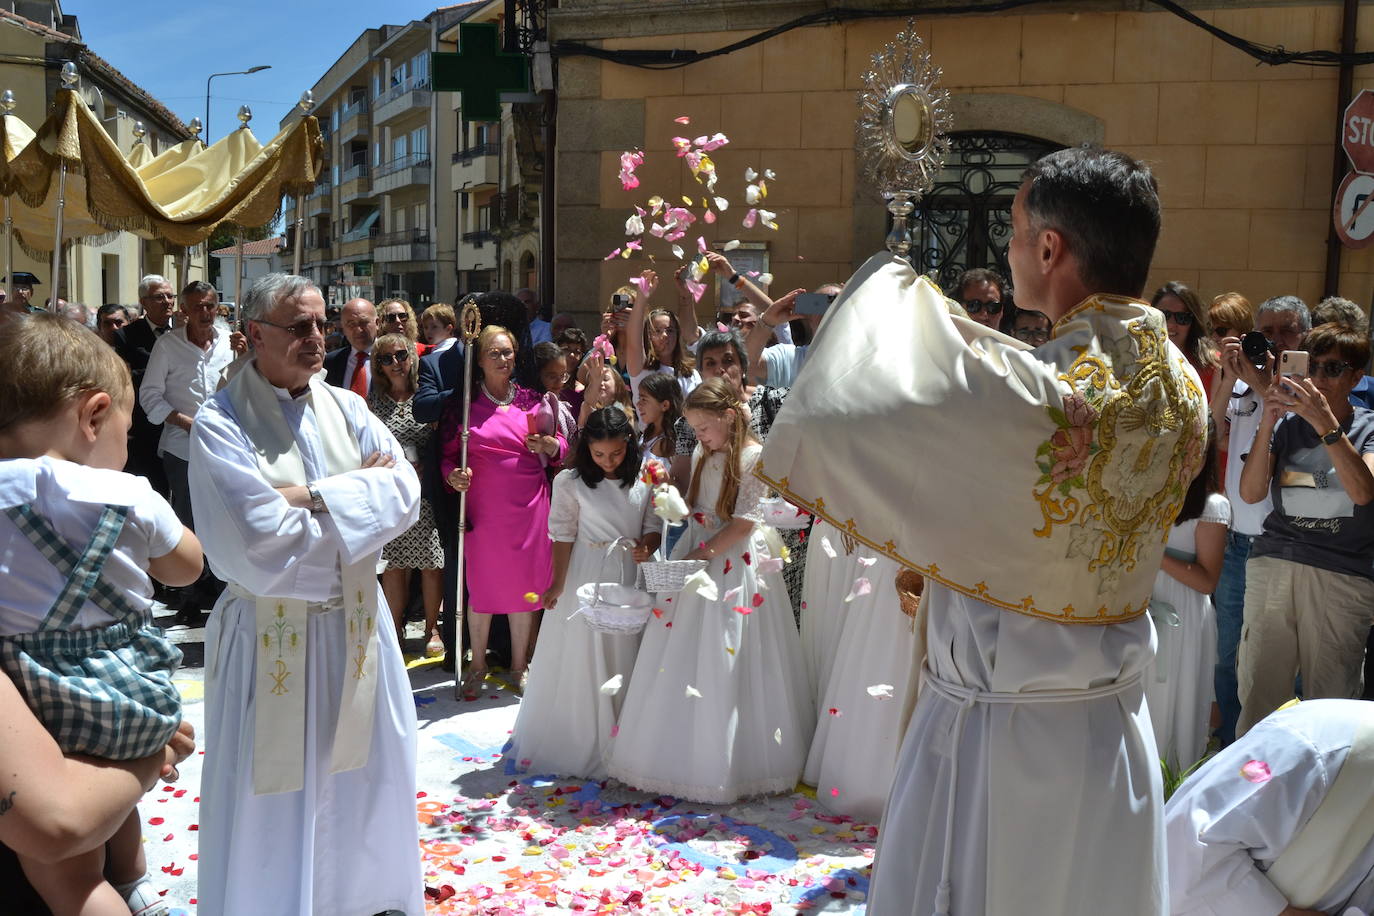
x=9 y=253
x=57 y=235
x=238 y=271
x=300 y=231
x=183 y=269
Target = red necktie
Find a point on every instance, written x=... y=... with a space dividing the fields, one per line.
x=358 y=384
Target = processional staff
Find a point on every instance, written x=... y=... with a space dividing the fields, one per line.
x=470 y=326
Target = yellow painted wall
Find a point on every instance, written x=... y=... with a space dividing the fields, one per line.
x=1243 y=153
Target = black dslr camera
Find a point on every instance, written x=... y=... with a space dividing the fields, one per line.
x=1255 y=346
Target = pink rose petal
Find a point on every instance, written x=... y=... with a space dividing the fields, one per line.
x=1256 y=771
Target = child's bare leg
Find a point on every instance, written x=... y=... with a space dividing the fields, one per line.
x=126 y=862
x=75 y=886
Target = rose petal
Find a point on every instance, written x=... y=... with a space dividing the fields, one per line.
x=757 y=600
x=702 y=583
x=1256 y=771
x=861 y=587
x=741 y=609
x=881 y=691
x=730 y=245
x=828 y=547
x=693 y=692
x=777 y=735
x=612 y=686
x=867 y=561
x=682 y=120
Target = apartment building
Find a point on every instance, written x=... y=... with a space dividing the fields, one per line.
x=36 y=38
x=415 y=200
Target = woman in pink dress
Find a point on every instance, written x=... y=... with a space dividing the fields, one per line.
x=508 y=556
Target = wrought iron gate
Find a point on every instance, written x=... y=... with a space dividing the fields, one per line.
x=965 y=220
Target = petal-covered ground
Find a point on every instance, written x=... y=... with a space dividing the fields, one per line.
x=499 y=842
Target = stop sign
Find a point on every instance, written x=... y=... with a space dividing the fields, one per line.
x=1357 y=131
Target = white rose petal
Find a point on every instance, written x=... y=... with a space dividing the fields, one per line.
x=881 y=691
x=693 y=692
x=613 y=685
x=750 y=174
x=730 y=245
x=702 y=583
x=828 y=547
x=777 y=735
x=861 y=587
x=867 y=561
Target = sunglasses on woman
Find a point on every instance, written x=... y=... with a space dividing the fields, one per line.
x=400 y=356
x=974 y=306
x=1330 y=369
x=1183 y=319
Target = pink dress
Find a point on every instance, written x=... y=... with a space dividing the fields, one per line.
x=507 y=552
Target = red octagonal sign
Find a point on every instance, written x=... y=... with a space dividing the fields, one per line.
x=1357 y=131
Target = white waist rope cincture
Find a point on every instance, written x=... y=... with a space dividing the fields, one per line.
x=966 y=697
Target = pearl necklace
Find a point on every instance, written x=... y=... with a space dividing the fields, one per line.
x=510 y=396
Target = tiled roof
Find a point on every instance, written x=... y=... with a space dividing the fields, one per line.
x=251 y=249
x=103 y=68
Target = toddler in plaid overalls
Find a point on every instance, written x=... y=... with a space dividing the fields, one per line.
x=76 y=631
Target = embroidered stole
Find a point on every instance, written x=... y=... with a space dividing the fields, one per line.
x=1337 y=833
x=282 y=623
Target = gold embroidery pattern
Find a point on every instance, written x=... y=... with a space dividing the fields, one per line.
x=1026 y=605
x=1098 y=474
x=280 y=633
x=359 y=630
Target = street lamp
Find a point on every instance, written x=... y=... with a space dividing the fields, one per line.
x=207 y=91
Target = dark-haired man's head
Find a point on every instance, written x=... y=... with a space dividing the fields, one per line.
x=1084 y=221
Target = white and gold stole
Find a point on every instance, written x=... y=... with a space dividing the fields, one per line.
x=279 y=679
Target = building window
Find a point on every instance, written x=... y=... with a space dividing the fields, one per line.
x=398 y=147
x=419 y=68
x=398 y=75
x=965 y=220
x=376 y=85
x=421 y=216
x=376 y=153
x=398 y=220
x=419 y=140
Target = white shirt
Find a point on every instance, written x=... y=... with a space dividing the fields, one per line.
x=180 y=377
x=71 y=497
x=1224 y=831
x=784 y=361
x=685 y=382
x=444 y=344
x=1244 y=412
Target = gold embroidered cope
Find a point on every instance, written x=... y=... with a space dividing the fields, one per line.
x=1042 y=483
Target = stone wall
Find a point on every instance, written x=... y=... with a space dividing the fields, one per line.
x=1244 y=152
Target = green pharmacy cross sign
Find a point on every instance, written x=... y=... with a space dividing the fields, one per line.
x=480 y=71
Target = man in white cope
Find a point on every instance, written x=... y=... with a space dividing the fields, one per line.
x=308 y=793
x=1034 y=490
x=1280 y=823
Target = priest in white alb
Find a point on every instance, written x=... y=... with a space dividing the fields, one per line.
x=1280 y=823
x=1034 y=490
x=308 y=793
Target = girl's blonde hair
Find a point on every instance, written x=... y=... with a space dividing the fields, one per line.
x=717 y=396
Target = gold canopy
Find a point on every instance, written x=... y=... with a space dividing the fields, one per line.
x=181 y=197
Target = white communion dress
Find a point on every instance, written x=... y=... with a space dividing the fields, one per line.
x=871 y=674
x=1179 y=688
x=718 y=707
x=565 y=720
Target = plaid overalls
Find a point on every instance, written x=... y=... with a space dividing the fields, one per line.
x=106 y=692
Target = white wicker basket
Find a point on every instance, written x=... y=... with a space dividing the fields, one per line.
x=613 y=607
x=782 y=515
x=666 y=576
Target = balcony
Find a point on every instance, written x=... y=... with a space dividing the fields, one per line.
x=411 y=95
x=353 y=121
x=406 y=245
x=400 y=173
x=479 y=238
x=355 y=183
x=514 y=212
x=319 y=200
x=476 y=168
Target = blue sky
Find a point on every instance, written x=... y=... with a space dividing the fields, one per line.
x=169 y=49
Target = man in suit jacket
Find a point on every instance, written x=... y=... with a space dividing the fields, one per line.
x=134 y=343
x=342 y=367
